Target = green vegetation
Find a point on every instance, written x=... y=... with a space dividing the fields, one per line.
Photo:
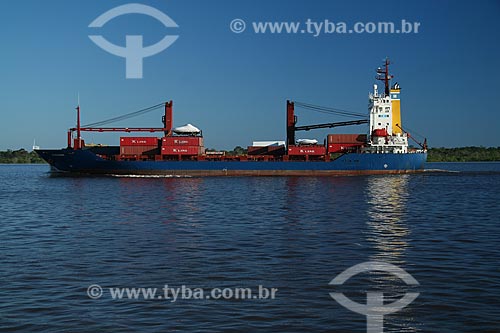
x=464 y=154
x=19 y=156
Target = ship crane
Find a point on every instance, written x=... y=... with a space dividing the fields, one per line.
x=94 y=127
x=331 y=125
x=291 y=119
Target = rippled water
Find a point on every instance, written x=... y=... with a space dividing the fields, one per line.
x=60 y=235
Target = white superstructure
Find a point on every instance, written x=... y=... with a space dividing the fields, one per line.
x=385 y=133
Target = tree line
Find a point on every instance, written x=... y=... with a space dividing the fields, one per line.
x=464 y=154
x=19 y=156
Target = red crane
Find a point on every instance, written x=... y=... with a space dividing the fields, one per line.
x=167 y=120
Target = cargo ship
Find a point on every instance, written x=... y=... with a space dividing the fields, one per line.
x=180 y=151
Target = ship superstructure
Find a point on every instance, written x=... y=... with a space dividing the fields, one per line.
x=385 y=133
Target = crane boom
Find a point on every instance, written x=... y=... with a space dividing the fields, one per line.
x=331 y=125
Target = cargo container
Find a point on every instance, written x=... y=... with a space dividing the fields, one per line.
x=139 y=150
x=306 y=150
x=342 y=147
x=257 y=150
x=182 y=150
x=266 y=150
x=182 y=141
x=139 y=141
x=346 y=138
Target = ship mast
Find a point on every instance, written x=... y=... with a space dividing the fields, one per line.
x=78 y=144
x=383 y=75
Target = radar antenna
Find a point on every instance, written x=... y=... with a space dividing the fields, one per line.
x=383 y=75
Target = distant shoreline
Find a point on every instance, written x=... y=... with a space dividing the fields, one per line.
x=464 y=154
x=20 y=156
x=27 y=163
x=460 y=154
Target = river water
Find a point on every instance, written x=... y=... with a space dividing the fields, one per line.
x=67 y=243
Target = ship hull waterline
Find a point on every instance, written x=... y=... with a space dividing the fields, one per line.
x=84 y=162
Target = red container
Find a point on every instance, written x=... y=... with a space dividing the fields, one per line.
x=266 y=150
x=273 y=149
x=341 y=147
x=182 y=141
x=253 y=150
x=139 y=141
x=346 y=138
x=306 y=150
x=182 y=150
x=137 y=150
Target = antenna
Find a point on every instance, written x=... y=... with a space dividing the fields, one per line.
x=383 y=75
x=78 y=127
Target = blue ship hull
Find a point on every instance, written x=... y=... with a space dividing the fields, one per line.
x=86 y=162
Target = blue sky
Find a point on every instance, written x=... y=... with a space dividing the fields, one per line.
x=235 y=86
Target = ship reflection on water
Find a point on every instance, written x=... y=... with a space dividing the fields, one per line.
x=387 y=231
x=388 y=236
